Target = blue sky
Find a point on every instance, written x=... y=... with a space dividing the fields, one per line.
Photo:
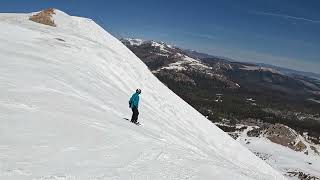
x=279 y=32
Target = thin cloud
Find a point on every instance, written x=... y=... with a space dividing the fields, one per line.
x=206 y=36
x=200 y=35
x=285 y=16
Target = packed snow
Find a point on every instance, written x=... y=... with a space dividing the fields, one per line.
x=63 y=95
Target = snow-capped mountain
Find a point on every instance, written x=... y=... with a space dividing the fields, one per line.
x=65 y=84
x=245 y=99
x=163 y=59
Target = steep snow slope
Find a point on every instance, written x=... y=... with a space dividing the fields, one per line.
x=63 y=95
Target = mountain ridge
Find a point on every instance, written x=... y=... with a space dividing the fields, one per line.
x=200 y=55
x=64 y=93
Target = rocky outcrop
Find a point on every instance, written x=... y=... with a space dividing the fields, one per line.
x=44 y=17
x=285 y=136
x=302 y=175
x=279 y=134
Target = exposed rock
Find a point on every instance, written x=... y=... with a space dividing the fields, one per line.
x=285 y=136
x=301 y=175
x=262 y=156
x=44 y=17
x=315 y=150
x=227 y=128
x=300 y=146
x=254 y=132
x=234 y=135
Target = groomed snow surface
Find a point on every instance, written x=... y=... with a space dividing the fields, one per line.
x=63 y=95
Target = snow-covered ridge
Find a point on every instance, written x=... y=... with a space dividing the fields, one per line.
x=64 y=93
x=135 y=42
x=139 y=42
x=166 y=50
x=162 y=58
x=258 y=68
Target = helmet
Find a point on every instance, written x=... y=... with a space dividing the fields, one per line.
x=138 y=91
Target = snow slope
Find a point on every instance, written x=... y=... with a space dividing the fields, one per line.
x=281 y=157
x=63 y=95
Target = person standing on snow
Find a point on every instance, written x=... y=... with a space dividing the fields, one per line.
x=133 y=104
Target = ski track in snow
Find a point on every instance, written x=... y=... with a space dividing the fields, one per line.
x=62 y=104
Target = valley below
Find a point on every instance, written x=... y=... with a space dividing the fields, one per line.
x=275 y=114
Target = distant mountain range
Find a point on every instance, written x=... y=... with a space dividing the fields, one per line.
x=253 y=102
x=291 y=71
x=287 y=71
x=161 y=57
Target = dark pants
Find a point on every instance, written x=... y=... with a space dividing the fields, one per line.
x=135 y=114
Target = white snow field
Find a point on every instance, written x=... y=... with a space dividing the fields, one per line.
x=64 y=92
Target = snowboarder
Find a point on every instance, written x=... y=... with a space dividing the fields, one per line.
x=133 y=104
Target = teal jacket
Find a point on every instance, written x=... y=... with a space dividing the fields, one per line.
x=134 y=100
